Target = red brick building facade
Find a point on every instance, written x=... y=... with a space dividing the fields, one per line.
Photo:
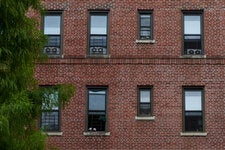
x=148 y=74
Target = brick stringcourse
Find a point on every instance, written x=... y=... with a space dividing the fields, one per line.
x=144 y=61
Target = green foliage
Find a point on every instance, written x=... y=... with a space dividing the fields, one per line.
x=65 y=93
x=42 y=95
x=21 y=44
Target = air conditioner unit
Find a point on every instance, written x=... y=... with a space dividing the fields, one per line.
x=52 y=50
x=198 y=51
x=94 y=49
x=194 y=51
x=100 y=49
x=47 y=49
x=97 y=50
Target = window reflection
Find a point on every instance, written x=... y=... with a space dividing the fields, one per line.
x=96 y=109
x=52 y=25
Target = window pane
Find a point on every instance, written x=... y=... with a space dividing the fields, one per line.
x=193 y=123
x=144 y=109
x=193 y=100
x=145 y=96
x=50 y=121
x=96 y=122
x=98 y=41
x=192 y=24
x=54 y=41
x=52 y=25
x=97 y=100
x=145 y=33
x=50 y=101
x=145 y=20
x=98 y=24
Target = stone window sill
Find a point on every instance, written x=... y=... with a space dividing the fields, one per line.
x=96 y=133
x=193 y=134
x=148 y=118
x=145 y=41
x=193 y=56
x=97 y=56
x=60 y=56
x=54 y=133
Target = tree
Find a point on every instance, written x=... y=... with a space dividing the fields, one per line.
x=21 y=43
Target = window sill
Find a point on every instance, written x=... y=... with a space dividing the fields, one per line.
x=193 y=134
x=96 y=133
x=145 y=41
x=54 y=133
x=150 y=118
x=193 y=56
x=97 y=56
x=55 y=56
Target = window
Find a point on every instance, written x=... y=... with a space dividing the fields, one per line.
x=145 y=25
x=144 y=101
x=97 y=109
x=193 y=33
x=98 y=33
x=193 y=109
x=50 y=112
x=52 y=28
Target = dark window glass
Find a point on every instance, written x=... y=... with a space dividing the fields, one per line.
x=52 y=28
x=54 y=41
x=193 y=111
x=97 y=109
x=193 y=40
x=145 y=25
x=50 y=112
x=98 y=34
x=50 y=120
x=144 y=102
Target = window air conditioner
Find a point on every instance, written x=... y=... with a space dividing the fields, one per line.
x=94 y=49
x=198 y=51
x=97 y=50
x=194 y=51
x=52 y=50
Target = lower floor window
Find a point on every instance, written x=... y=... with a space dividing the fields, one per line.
x=50 y=111
x=144 y=101
x=193 y=109
x=96 y=109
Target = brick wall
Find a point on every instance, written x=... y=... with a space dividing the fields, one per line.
x=129 y=65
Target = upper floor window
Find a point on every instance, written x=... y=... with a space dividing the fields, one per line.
x=52 y=23
x=145 y=25
x=98 y=33
x=193 y=33
x=97 y=109
x=193 y=109
x=50 y=111
x=144 y=101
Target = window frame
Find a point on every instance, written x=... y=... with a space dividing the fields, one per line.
x=50 y=111
x=193 y=13
x=53 y=13
x=103 y=88
x=145 y=88
x=145 y=12
x=98 y=13
x=193 y=88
